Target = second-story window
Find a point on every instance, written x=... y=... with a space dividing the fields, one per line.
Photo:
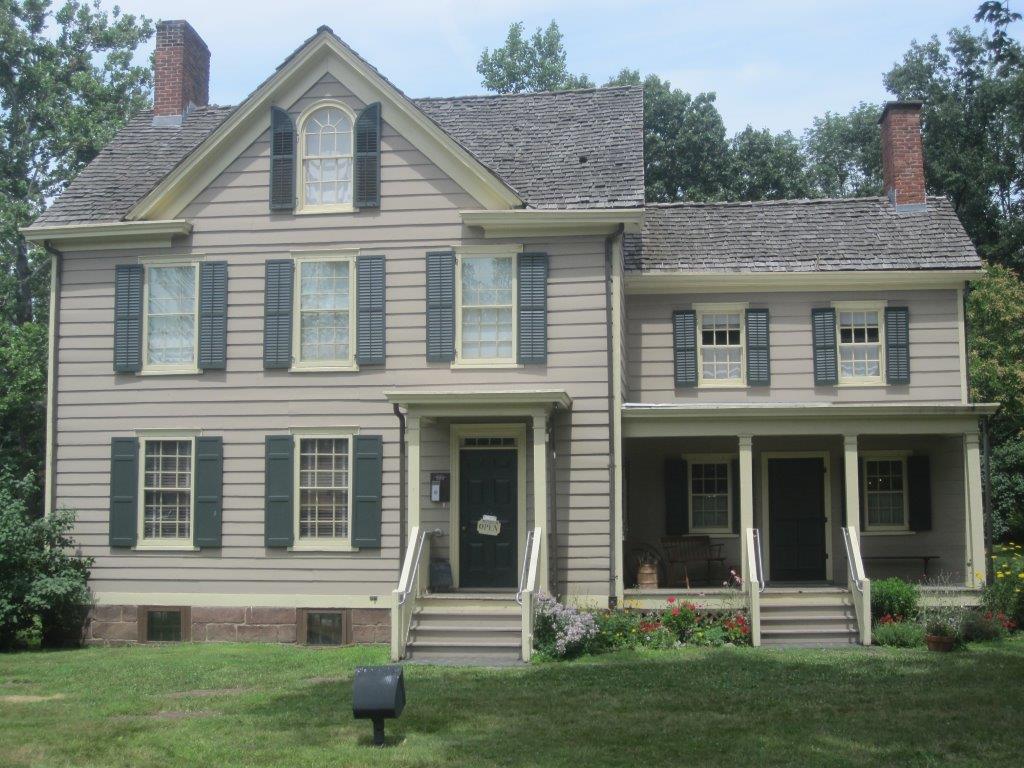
x=326 y=168
x=860 y=344
x=487 y=309
x=170 y=326
x=324 y=327
x=721 y=347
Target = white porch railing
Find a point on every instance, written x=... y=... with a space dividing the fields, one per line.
x=410 y=587
x=529 y=586
x=858 y=584
x=755 y=581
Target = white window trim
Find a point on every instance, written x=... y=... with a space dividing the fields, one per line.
x=324 y=366
x=709 y=458
x=720 y=309
x=900 y=456
x=300 y=544
x=487 y=252
x=165 y=545
x=300 y=156
x=150 y=369
x=861 y=306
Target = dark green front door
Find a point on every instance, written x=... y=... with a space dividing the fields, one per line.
x=487 y=486
x=796 y=519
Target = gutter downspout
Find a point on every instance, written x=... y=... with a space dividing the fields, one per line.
x=50 y=470
x=401 y=483
x=613 y=405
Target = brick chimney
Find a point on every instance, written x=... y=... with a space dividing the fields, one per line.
x=181 y=71
x=902 y=153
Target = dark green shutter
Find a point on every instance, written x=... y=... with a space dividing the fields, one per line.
x=213 y=314
x=128 y=318
x=441 y=307
x=823 y=332
x=278 y=520
x=282 y=161
x=533 y=308
x=734 y=468
x=684 y=347
x=367 y=491
x=897 y=345
x=370 y=275
x=758 y=352
x=367 y=157
x=919 y=489
x=209 y=490
x=124 y=491
x=277 y=314
x=677 y=497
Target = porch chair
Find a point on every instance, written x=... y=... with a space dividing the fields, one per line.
x=684 y=551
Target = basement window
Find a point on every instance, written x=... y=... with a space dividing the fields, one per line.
x=164 y=625
x=325 y=627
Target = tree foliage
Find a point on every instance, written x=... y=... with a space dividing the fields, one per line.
x=537 y=64
x=765 y=166
x=843 y=153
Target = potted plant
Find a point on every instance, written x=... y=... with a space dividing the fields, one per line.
x=647 y=570
x=940 y=634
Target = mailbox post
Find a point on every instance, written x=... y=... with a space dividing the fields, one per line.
x=378 y=693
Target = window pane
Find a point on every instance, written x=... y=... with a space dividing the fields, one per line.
x=721 y=347
x=167 y=490
x=709 y=489
x=327 y=160
x=323 y=628
x=323 y=488
x=487 y=308
x=324 y=310
x=163 y=626
x=170 y=315
x=884 y=492
x=859 y=347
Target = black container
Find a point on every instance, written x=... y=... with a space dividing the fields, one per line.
x=440 y=576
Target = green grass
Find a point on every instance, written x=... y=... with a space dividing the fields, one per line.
x=219 y=706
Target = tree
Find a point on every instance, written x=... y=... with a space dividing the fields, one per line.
x=844 y=153
x=766 y=166
x=67 y=83
x=525 y=66
x=686 y=156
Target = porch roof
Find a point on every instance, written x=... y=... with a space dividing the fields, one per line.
x=495 y=402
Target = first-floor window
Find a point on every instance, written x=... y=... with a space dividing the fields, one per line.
x=167 y=490
x=885 y=495
x=324 y=482
x=709 y=496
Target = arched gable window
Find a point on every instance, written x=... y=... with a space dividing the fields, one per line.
x=325 y=146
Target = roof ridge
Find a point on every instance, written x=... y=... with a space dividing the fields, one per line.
x=526 y=94
x=786 y=201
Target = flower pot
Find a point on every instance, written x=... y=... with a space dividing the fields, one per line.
x=647 y=576
x=940 y=643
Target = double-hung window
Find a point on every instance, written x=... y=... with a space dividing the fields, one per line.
x=486 y=325
x=720 y=346
x=860 y=338
x=709 y=485
x=885 y=491
x=324 y=491
x=324 y=326
x=325 y=168
x=166 y=497
x=170 y=327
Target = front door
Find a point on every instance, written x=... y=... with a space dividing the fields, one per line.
x=487 y=486
x=796 y=519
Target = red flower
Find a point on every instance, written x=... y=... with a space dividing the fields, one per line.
x=675 y=610
x=671 y=600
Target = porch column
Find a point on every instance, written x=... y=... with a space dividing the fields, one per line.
x=974 y=565
x=412 y=480
x=540 y=491
x=851 y=483
x=746 y=481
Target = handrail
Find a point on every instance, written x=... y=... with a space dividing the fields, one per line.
x=759 y=560
x=411 y=566
x=853 y=562
x=526 y=567
x=859 y=581
x=528 y=587
x=408 y=586
x=754 y=584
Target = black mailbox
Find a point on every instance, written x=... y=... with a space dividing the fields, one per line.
x=378 y=693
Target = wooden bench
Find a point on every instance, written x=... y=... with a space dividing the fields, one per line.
x=925 y=559
x=682 y=551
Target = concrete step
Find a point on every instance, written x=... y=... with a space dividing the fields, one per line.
x=455 y=633
x=837 y=642
x=808 y=611
x=469 y=602
x=463 y=655
x=807 y=603
x=803 y=635
x=468 y=617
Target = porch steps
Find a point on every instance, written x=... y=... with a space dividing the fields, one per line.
x=466 y=628
x=808 y=617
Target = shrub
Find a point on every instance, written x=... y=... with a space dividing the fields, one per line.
x=680 y=618
x=562 y=631
x=894 y=597
x=898 y=634
x=711 y=633
x=616 y=629
x=980 y=626
x=44 y=592
x=1005 y=593
x=654 y=634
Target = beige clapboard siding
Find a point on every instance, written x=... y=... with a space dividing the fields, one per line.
x=244 y=403
x=934 y=348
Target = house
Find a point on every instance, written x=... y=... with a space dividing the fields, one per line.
x=313 y=354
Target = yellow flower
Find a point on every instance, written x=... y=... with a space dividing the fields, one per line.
x=999 y=574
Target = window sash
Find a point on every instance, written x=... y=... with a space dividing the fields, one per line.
x=324 y=323
x=859 y=336
x=487 y=309
x=327 y=158
x=323 y=503
x=709 y=485
x=721 y=345
x=171 y=318
x=885 y=493
x=168 y=481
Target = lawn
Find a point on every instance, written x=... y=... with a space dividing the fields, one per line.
x=218 y=706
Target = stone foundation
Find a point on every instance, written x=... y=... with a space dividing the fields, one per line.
x=119 y=625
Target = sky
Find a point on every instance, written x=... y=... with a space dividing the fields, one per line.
x=772 y=63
